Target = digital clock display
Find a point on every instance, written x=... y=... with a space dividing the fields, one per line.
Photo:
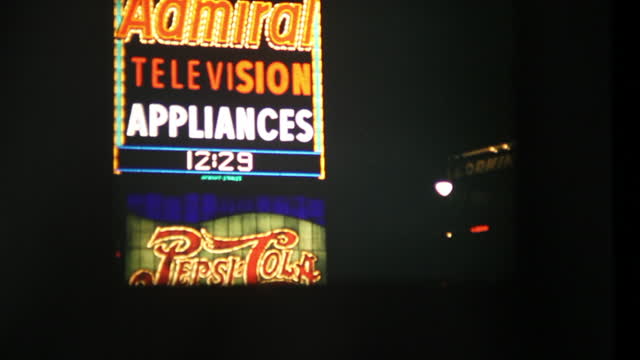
x=222 y=161
x=222 y=87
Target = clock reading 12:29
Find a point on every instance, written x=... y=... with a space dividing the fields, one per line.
x=204 y=160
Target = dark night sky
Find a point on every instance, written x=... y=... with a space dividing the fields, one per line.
x=405 y=88
x=405 y=85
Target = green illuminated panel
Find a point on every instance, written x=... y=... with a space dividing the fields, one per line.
x=311 y=239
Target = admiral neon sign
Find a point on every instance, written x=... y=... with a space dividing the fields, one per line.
x=206 y=87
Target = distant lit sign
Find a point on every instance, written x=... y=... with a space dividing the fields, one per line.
x=228 y=240
x=479 y=166
x=218 y=88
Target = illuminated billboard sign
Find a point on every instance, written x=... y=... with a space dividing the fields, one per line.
x=482 y=161
x=209 y=240
x=218 y=88
x=481 y=166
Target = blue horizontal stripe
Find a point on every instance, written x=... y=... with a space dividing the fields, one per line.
x=170 y=148
x=194 y=208
x=169 y=171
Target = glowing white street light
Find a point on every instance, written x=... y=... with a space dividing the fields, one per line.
x=444 y=188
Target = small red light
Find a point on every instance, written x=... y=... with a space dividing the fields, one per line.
x=118 y=254
x=479 y=228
